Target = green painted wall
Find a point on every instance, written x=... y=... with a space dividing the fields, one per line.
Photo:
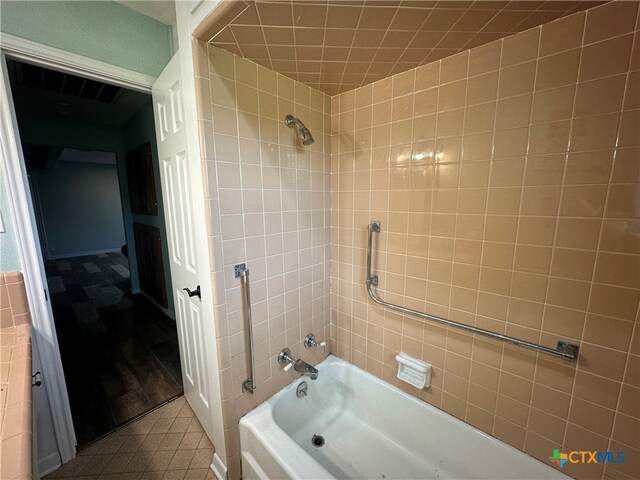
x=9 y=256
x=102 y=30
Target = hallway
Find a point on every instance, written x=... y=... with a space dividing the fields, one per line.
x=119 y=351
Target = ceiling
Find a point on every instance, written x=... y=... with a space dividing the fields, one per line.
x=44 y=156
x=43 y=92
x=338 y=45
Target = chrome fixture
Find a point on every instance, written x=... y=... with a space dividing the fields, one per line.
x=301 y=391
x=310 y=341
x=241 y=271
x=307 y=138
x=299 y=365
x=564 y=350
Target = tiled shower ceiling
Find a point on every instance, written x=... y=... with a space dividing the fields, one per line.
x=337 y=45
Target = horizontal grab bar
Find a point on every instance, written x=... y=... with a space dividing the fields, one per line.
x=565 y=350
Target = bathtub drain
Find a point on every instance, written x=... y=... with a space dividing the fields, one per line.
x=317 y=441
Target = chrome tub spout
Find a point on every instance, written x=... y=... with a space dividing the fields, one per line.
x=304 y=368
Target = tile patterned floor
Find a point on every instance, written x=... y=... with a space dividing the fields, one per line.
x=119 y=351
x=166 y=444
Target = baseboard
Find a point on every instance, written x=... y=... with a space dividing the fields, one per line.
x=82 y=254
x=152 y=300
x=218 y=468
x=49 y=464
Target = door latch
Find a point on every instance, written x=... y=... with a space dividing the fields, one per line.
x=193 y=293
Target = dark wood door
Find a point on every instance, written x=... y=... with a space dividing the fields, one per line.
x=150 y=262
x=140 y=180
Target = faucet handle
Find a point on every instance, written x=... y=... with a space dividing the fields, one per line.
x=310 y=341
x=285 y=358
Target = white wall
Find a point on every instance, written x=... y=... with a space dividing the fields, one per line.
x=81 y=208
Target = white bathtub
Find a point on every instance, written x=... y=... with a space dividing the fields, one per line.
x=371 y=430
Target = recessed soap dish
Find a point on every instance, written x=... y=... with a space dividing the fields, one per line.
x=413 y=371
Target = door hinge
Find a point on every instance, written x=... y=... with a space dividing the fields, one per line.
x=46 y=295
x=36 y=379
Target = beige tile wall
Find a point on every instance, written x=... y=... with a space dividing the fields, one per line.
x=507 y=181
x=269 y=207
x=14 y=307
x=16 y=430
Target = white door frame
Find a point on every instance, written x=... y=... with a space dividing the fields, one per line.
x=51 y=57
x=22 y=214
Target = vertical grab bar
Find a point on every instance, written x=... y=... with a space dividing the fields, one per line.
x=241 y=271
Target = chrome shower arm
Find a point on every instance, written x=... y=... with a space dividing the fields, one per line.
x=290 y=121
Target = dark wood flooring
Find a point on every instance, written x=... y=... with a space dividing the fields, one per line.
x=119 y=351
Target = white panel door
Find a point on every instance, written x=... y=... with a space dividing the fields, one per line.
x=178 y=205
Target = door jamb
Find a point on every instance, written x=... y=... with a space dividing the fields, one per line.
x=22 y=213
x=43 y=55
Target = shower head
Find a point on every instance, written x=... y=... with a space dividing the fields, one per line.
x=305 y=134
